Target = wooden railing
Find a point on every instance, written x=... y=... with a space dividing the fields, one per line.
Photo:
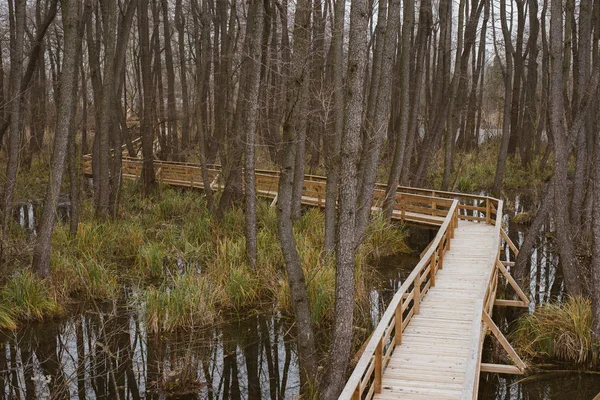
x=365 y=381
x=425 y=206
x=366 y=378
x=411 y=206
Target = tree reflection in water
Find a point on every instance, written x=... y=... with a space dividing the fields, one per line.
x=111 y=356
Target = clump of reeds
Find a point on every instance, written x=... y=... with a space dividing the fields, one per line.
x=190 y=301
x=26 y=297
x=560 y=332
x=383 y=239
x=7 y=317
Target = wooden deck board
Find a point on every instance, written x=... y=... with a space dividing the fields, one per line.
x=432 y=360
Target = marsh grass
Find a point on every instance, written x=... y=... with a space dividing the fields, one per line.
x=168 y=257
x=26 y=297
x=190 y=301
x=559 y=332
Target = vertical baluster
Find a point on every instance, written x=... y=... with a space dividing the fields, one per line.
x=432 y=267
x=442 y=251
x=399 y=318
x=402 y=208
x=417 y=299
x=487 y=210
x=378 y=366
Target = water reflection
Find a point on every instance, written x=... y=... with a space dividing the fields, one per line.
x=111 y=356
x=550 y=386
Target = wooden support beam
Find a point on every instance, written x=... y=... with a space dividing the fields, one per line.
x=274 y=202
x=432 y=268
x=500 y=369
x=509 y=242
x=511 y=281
x=510 y=303
x=503 y=342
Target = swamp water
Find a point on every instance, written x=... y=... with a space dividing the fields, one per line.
x=108 y=354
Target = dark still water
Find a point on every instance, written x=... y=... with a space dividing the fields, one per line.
x=108 y=354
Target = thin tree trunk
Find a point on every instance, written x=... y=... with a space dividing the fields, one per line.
x=568 y=261
x=185 y=120
x=345 y=240
x=146 y=125
x=68 y=94
x=334 y=139
x=596 y=244
x=507 y=76
x=292 y=127
x=16 y=65
x=372 y=147
x=254 y=62
x=171 y=107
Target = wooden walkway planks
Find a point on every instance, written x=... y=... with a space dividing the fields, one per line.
x=432 y=360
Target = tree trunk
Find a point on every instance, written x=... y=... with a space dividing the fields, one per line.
x=185 y=118
x=292 y=127
x=334 y=140
x=568 y=261
x=507 y=74
x=68 y=94
x=254 y=31
x=345 y=241
x=376 y=131
x=16 y=65
x=148 y=105
x=596 y=245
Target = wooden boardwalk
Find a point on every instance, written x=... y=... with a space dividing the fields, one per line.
x=428 y=343
x=436 y=345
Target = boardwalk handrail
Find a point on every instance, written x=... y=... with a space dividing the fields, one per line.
x=478 y=334
x=471 y=207
x=439 y=208
x=403 y=306
x=369 y=370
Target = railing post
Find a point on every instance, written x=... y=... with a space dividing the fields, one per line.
x=432 y=268
x=398 y=338
x=487 y=210
x=442 y=251
x=417 y=297
x=402 y=209
x=378 y=366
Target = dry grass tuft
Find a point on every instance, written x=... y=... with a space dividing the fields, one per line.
x=559 y=332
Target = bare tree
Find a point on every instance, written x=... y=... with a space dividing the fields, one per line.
x=345 y=239
x=569 y=263
x=17 y=19
x=254 y=32
x=65 y=112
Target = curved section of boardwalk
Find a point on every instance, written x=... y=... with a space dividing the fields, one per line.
x=429 y=340
x=432 y=361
